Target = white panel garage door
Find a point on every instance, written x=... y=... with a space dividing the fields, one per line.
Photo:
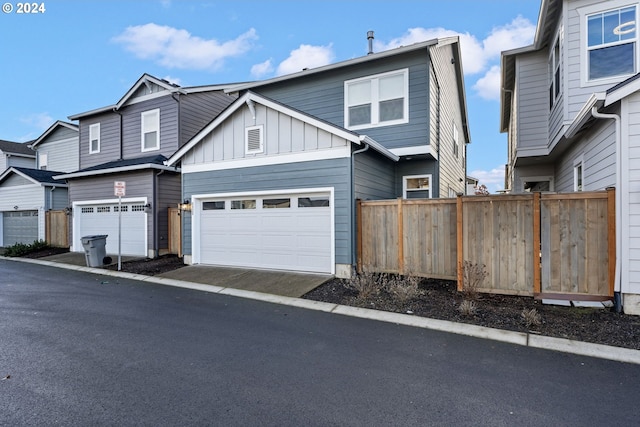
x=103 y=219
x=20 y=227
x=284 y=232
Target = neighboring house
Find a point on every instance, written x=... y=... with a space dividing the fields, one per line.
x=16 y=154
x=273 y=180
x=127 y=143
x=570 y=107
x=27 y=192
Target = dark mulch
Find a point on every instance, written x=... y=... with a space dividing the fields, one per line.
x=440 y=299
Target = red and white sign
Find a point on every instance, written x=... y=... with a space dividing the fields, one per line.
x=119 y=188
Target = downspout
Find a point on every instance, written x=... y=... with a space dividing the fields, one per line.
x=155 y=213
x=617 y=300
x=115 y=110
x=354 y=255
x=51 y=197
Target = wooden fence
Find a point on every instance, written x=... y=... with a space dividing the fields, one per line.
x=56 y=228
x=547 y=245
x=175 y=232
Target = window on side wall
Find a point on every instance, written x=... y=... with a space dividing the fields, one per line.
x=612 y=39
x=150 y=125
x=42 y=161
x=416 y=187
x=577 y=175
x=554 y=73
x=456 y=141
x=379 y=100
x=94 y=138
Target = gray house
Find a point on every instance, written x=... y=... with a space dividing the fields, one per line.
x=127 y=143
x=570 y=107
x=27 y=187
x=16 y=154
x=273 y=180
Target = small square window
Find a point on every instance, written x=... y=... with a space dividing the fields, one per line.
x=213 y=206
x=417 y=187
x=243 y=204
x=276 y=203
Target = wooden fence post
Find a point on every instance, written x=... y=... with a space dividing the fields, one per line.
x=459 y=241
x=400 y=238
x=611 y=238
x=359 y=236
x=537 y=286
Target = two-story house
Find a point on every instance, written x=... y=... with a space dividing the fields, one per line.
x=122 y=188
x=273 y=181
x=27 y=187
x=570 y=107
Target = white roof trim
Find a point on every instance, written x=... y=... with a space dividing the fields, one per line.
x=115 y=170
x=379 y=148
x=416 y=150
x=622 y=92
x=51 y=129
x=250 y=96
x=584 y=114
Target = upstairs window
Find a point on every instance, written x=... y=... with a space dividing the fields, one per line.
x=94 y=138
x=456 y=141
x=150 y=125
x=611 y=43
x=379 y=100
x=42 y=161
x=554 y=74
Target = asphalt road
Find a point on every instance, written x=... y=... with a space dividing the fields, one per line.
x=83 y=349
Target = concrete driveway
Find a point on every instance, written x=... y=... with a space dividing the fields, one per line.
x=283 y=283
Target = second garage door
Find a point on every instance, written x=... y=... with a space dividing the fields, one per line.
x=285 y=232
x=20 y=227
x=103 y=219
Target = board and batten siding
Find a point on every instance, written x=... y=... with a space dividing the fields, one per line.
x=289 y=176
x=282 y=134
x=322 y=95
x=62 y=150
x=452 y=166
x=101 y=187
x=631 y=197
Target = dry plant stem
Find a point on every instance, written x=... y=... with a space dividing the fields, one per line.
x=472 y=279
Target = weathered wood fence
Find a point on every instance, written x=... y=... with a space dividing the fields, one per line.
x=175 y=232
x=547 y=245
x=56 y=228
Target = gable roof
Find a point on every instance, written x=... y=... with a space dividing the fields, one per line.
x=251 y=97
x=51 y=129
x=36 y=176
x=147 y=79
x=117 y=166
x=16 y=148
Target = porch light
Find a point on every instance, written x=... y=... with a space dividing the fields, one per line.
x=185 y=205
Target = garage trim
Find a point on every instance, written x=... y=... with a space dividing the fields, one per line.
x=197 y=200
x=76 y=206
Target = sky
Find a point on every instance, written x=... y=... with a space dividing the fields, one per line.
x=78 y=55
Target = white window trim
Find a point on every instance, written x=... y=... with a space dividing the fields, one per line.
x=578 y=162
x=556 y=66
x=375 y=101
x=43 y=159
x=537 y=179
x=248 y=129
x=584 y=48
x=408 y=177
x=94 y=128
x=456 y=141
x=143 y=115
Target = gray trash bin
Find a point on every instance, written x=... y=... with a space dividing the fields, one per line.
x=95 y=249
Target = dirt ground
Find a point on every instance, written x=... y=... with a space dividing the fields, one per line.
x=440 y=299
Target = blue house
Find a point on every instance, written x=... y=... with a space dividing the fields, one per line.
x=273 y=180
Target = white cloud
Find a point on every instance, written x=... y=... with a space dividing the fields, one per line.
x=517 y=33
x=488 y=86
x=174 y=48
x=306 y=56
x=493 y=179
x=173 y=80
x=40 y=121
x=262 y=69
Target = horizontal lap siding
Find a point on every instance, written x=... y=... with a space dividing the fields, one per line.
x=131 y=127
x=532 y=100
x=374 y=176
x=199 y=109
x=313 y=174
x=109 y=140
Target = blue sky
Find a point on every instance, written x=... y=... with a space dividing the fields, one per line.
x=80 y=55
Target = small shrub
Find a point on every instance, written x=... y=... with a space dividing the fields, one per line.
x=365 y=284
x=21 y=249
x=467 y=307
x=531 y=317
x=404 y=288
x=473 y=276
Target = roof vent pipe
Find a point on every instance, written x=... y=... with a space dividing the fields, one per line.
x=370 y=38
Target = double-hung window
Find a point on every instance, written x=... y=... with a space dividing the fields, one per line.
x=150 y=125
x=554 y=73
x=612 y=39
x=378 y=100
x=94 y=138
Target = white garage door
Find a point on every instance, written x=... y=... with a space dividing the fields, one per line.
x=103 y=219
x=20 y=227
x=284 y=232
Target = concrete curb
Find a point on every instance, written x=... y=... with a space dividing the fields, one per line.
x=617 y=354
